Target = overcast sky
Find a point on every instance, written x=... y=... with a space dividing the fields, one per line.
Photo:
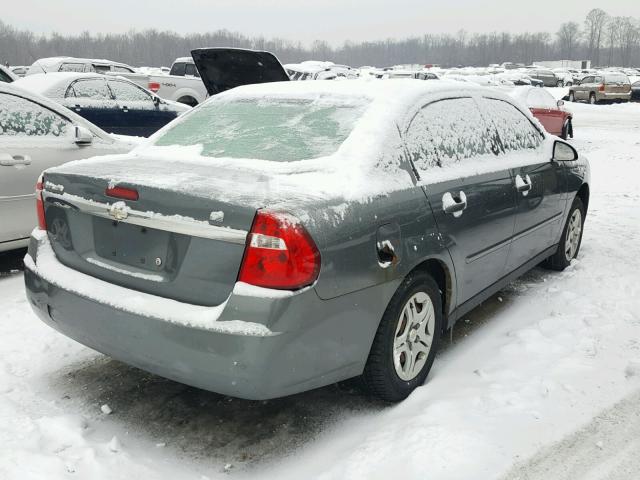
x=331 y=20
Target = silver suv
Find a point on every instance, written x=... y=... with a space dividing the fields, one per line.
x=609 y=87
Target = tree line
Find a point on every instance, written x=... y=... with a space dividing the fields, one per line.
x=605 y=40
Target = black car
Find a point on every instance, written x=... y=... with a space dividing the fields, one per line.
x=635 y=91
x=115 y=104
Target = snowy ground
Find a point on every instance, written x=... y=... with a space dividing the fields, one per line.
x=553 y=358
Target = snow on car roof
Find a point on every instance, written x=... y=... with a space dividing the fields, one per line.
x=52 y=85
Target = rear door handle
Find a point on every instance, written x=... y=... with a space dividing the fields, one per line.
x=523 y=185
x=11 y=160
x=454 y=205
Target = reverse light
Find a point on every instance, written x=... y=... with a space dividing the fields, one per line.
x=280 y=253
x=121 y=192
x=42 y=223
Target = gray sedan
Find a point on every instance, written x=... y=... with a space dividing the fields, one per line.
x=285 y=236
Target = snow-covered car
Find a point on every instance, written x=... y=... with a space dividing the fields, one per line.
x=6 y=75
x=78 y=65
x=550 y=112
x=19 y=70
x=113 y=103
x=315 y=70
x=254 y=256
x=35 y=134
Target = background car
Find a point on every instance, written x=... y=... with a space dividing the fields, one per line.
x=604 y=87
x=115 y=104
x=549 y=111
x=6 y=75
x=78 y=65
x=635 y=91
x=35 y=134
x=547 y=76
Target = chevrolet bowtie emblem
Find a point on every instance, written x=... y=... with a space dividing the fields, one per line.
x=119 y=211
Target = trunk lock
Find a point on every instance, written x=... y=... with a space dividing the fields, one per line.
x=158 y=261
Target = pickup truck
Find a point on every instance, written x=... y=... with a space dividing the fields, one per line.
x=183 y=84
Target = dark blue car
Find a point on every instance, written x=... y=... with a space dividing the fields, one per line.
x=115 y=104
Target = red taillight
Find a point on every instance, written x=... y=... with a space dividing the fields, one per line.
x=601 y=88
x=280 y=253
x=154 y=86
x=42 y=223
x=122 y=192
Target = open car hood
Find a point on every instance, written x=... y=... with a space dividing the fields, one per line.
x=225 y=68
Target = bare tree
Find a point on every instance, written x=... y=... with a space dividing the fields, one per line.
x=568 y=36
x=594 y=25
x=629 y=38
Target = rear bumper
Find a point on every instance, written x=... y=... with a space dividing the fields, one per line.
x=307 y=342
x=613 y=96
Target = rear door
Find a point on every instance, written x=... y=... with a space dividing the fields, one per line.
x=470 y=193
x=140 y=115
x=225 y=68
x=91 y=99
x=539 y=184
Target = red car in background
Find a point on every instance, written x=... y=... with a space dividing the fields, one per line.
x=555 y=119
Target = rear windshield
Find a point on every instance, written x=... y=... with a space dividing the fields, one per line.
x=616 y=78
x=281 y=130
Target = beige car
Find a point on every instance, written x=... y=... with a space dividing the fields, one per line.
x=606 y=87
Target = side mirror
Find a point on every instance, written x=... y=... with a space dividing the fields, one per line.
x=560 y=103
x=563 y=152
x=83 y=136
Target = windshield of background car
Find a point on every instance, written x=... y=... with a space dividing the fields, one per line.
x=275 y=129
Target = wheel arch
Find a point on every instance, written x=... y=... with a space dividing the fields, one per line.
x=583 y=194
x=444 y=278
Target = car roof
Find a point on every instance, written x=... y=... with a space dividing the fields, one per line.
x=54 y=85
x=183 y=60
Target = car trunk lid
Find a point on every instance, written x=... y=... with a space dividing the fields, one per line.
x=225 y=68
x=181 y=239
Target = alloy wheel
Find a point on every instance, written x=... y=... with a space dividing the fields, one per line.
x=413 y=336
x=574 y=230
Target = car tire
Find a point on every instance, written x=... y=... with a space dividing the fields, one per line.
x=416 y=306
x=568 y=84
x=565 y=131
x=570 y=128
x=572 y=97
x=560 y=83
x=592 y=98
x=571 y=238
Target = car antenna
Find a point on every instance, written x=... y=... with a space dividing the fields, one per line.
x=41 y=66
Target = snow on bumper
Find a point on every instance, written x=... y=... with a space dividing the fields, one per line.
x=287 y=343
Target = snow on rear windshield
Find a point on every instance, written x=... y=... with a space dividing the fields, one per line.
x=281 y=130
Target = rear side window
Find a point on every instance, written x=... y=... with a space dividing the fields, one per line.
x=71 y=67
x=118 y=68
x=190 y=69
x=178 y=69
x=95 y=89
x=24 y=118
x=446 y=132
x=127 y=92
x=515 y=130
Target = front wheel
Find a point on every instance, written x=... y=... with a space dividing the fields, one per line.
x=560 y=83
x=407 y=339
x=571 y=238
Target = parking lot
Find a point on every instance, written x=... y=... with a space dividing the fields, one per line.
x=529 y=367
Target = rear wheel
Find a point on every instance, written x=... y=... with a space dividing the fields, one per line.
x=406 y=341
x=571 y=238
x=592 y=98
